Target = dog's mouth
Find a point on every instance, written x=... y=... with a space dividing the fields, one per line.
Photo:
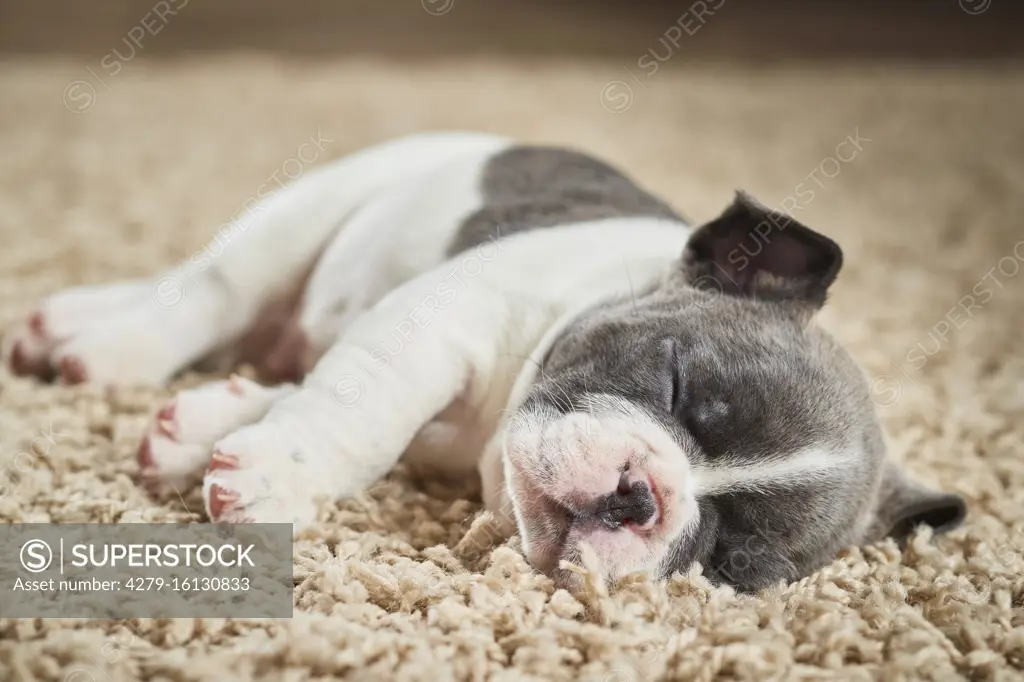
x=626 y=529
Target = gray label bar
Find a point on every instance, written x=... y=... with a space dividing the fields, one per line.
x=146 y=570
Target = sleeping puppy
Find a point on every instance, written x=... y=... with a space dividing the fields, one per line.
x=620 y=379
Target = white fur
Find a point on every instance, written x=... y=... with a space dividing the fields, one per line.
x=395 y=235
x=295 y=222
x=810 y=466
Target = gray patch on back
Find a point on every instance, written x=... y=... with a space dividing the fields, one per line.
x=528 y=187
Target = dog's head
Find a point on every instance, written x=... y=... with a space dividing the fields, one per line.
x=709 y=419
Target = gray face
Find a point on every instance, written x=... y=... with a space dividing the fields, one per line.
x=708 y=419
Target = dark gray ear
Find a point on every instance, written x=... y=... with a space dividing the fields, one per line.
x=903 y=505
x=751 y=250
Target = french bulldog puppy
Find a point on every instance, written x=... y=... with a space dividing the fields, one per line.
x=620 y=379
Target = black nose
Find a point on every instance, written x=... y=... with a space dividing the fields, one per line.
x=630 y=503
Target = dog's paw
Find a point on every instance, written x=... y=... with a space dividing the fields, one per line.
x=179 y=442
x=73 y=335
x=256 y=475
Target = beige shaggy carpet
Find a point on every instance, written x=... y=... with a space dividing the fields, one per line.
x=403 y=583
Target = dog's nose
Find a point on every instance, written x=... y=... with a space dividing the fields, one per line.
x=631 y=503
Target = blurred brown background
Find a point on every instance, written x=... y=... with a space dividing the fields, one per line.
x=755 y=30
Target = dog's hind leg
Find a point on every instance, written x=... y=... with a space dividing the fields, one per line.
x=145 y=331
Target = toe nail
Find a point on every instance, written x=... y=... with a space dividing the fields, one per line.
x=219 y=460
x=219 y=501
x=168 y=427
x=72 y=370
x=166 y=422
x=167 y=411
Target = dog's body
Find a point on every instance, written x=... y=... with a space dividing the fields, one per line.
x=618 y=378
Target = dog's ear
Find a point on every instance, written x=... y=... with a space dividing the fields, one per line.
x=750 y=250
x=902 y=505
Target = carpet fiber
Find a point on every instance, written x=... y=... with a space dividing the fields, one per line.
x=407 y=582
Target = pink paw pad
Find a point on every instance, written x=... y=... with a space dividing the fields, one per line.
x=20 y=363
x=145 y=457
x=72 y=370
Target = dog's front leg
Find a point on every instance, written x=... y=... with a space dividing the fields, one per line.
x=398 y=365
